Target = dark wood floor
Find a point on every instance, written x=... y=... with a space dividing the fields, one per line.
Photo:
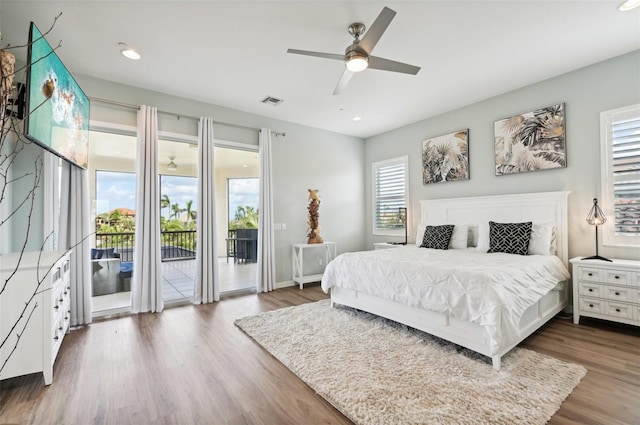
x=192 y=365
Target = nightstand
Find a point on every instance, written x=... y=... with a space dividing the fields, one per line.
x=604 y=290
x=297 y=254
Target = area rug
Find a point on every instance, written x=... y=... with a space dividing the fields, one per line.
x=376 y=371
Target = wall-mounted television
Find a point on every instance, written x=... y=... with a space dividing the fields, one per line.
x=57 y=115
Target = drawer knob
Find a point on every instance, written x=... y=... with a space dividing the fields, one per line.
x=590 y=290
x=590 y=274
x=617 y=293
x=618 y=310
x=56 y=307
x=617 y=277
x=591 y=305
x=60 y=328
x=55 y=338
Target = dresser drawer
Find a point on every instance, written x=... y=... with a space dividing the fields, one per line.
x=591 y=289
x=590 y=274
x=618 y=277
x=592 y=305
x=620 y=310
x=619 y=293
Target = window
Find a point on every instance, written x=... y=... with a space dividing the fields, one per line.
x=242 y=194
x=390 y=192
x=620 y=136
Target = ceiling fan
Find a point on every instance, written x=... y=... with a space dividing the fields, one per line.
x=357 y=56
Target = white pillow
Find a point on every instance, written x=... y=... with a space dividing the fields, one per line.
x=483 y=237
x=458 y=237
x=420 y=234
x=541 y=238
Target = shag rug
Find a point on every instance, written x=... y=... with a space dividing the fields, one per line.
x=376 y=371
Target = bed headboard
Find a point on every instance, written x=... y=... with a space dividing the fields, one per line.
x=537 y=207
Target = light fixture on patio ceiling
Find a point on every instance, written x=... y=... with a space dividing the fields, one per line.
x=172 y=166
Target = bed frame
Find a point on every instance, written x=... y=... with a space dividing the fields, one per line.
x=538 y=207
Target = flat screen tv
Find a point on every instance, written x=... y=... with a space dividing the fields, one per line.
x=57 y=109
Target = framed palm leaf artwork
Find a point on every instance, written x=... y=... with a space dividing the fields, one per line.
x=446 y=158
x=532 y=141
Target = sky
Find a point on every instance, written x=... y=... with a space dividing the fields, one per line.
x=116 y=189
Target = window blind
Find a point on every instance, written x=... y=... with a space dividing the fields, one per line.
x=390 y=192
x=626 y=175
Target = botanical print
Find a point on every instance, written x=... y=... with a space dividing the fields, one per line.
x=446 y=158
x=530 y=142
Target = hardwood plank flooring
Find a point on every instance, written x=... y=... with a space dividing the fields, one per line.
x=192 y=365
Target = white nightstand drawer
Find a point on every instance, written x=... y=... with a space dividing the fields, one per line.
x=592 y=305
x=619 y=293
x=618 y=277
x=624 y=311
x=591 y=289
x=590 y=274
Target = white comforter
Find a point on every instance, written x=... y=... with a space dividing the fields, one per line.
x=491 y=290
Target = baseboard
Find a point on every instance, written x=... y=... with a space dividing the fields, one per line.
x=284 y=284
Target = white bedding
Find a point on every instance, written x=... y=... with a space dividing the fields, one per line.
x=491 y=290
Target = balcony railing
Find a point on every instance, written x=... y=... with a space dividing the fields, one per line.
x=176 y=245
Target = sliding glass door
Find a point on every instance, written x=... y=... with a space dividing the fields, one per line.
x=237 y=181
x=178 y=168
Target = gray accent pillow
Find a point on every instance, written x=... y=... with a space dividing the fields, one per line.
x=437 y=237
x=512 y=238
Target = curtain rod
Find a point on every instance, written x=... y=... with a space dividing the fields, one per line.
x=127 y=105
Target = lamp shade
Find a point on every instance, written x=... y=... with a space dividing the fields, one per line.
x=596 y=217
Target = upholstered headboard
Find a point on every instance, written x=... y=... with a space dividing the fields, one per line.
x=536 y=207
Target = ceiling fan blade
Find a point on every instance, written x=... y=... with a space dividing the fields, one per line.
x=389 y=65
x=316 y=54
x=375 y=31
x=346 y=76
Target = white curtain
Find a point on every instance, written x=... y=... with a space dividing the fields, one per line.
x=266 y=241
x=146 y=283
x=207 y=284
x=74 y=233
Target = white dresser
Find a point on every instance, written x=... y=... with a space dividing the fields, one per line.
x=606 y=290
x=35 y=304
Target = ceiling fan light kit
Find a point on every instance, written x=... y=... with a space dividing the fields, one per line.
x=357 y=56
x=172 y=166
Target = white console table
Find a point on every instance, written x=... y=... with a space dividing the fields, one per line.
x=297 y=251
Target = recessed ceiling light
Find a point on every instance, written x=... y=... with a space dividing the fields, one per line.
x=128 y=52
x=628 y=5
x=357 y=118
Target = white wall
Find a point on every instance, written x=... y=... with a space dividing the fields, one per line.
x=586 y=92
x=307 y=158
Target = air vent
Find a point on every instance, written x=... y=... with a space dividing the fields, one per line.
x=273 y=101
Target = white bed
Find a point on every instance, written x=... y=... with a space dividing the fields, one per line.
x=539 y=297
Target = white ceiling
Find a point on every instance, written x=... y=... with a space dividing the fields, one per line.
x=233 y=53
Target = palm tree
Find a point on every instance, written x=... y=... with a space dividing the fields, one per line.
x=165 y=201
x=191 y=215
x=176 y=210
x=245 y=218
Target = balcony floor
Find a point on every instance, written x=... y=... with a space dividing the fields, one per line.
x=178 y=279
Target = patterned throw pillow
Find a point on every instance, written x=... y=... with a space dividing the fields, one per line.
x=512 y=238
x=437 y=237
